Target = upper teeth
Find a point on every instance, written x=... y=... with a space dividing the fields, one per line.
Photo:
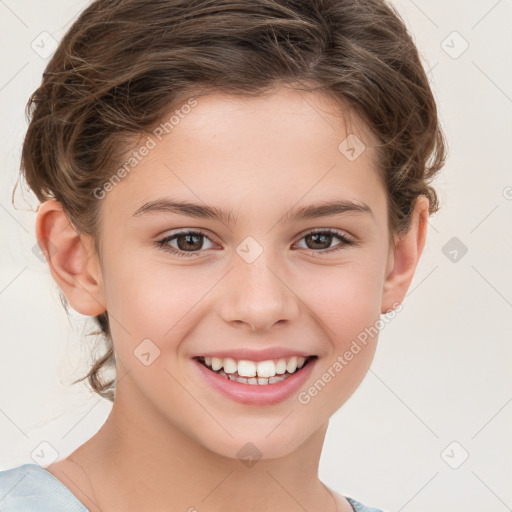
x=247 y=368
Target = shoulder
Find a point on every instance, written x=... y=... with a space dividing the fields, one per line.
x=30 y=488
x=359 y=507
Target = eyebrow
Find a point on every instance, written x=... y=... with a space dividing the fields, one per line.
x=200 y=211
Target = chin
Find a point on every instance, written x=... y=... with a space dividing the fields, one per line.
x=266 y=440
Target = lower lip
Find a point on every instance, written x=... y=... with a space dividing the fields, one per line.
x=257 y=394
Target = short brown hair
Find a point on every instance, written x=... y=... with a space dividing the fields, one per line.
x=124 y=64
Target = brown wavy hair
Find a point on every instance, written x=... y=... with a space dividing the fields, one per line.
x=124 y=64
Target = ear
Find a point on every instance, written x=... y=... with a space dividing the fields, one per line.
x=404 y=258
x=72 y=260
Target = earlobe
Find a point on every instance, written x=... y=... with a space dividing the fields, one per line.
x=71 y=259
x=405 y=257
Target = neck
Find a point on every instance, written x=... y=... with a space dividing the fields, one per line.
x=142 y=462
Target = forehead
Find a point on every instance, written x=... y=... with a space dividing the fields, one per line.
x=248 y=154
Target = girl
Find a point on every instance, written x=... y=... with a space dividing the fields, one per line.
x=235 y=191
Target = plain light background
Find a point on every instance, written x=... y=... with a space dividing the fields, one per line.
x=429 y=427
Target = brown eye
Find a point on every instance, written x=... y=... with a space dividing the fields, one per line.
x=320 y=241
x=188 y=243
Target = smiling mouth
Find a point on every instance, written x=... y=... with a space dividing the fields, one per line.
x=260 y=373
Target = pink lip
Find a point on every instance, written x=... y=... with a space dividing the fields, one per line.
x=255 y=394
x=257 y=355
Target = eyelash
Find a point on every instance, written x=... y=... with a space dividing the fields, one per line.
x=163 y=244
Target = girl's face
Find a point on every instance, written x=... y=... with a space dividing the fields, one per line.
x=252 y=281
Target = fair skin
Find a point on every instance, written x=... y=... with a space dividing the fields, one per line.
x=171 y=441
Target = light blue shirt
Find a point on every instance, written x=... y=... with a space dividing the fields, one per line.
x=30 y=488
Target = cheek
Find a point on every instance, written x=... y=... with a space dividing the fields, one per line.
x=344 y=298
x=159 y=303
x=347 y=304
x=166 y=304
x=154 y=310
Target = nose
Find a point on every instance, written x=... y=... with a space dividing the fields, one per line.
x=258 y=295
